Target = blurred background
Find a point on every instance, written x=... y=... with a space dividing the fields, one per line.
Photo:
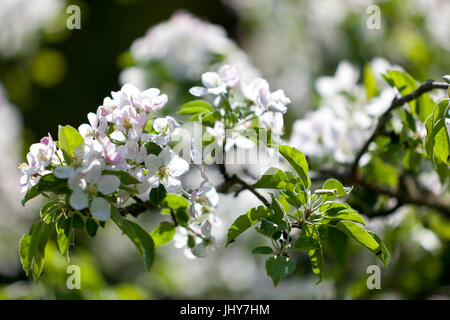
x=51 y=75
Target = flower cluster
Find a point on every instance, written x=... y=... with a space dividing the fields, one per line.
x=346 y=115
x=124 y=152
x=114 y=143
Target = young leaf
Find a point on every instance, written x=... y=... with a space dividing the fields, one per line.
x=245 y=221
x=298 y=161
x=163 y=233
x=334 y=185
x=50 y=208
x=279 y=267
x=69 y=139
x=275 y=178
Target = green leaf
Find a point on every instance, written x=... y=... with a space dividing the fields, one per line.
x=125 y=178
x=306 y=243
x=275 y=178
x=370 y=83
x=298 y=161
x=91 y=227
x=308 y=239
x=153 y=148
x=163 y=233
x=339 y=190
x=316 y=259
x=209 y=119
x=32 y=248
x=50 y=183
x=49 y=209
x=31 y=193
x=381 y=172
x=195 y=107
x=175 y=202
x=140 y=238
x=157 y=195
x=245 y=221
x=421 y=106
x=383 y=254
x=77 y=221
x=338 y=211
x=279 y=267
x=69 y=139
x=359 y=234
x=262 y=250
x=65 y=234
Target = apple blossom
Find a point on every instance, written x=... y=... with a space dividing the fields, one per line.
x=86 y=183
x=165 y=169
x=165 y=128
x=216 y=83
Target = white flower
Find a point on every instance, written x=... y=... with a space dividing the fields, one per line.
x=128 y=120
x=97 y=126
x=151 y=99
x=166 y=128
x=86 y=184
x=203 y=200
x=344 y=80
x=273 y=101
x=217 y=83
x=135 y=153
x=41 y=155
x=258 y=91
x=165 y=169
x=234 y=137
x=251 y=90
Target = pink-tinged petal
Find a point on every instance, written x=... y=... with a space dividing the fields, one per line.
x=45 y=140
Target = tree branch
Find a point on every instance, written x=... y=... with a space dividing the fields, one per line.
x=403 y=197
x=386 y=116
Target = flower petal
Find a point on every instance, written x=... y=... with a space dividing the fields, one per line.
x=108 y=184
x=79 y=200
x=100 y=209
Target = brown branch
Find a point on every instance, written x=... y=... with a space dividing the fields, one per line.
x=230 y=181
x=386 y=116
x=403 y=197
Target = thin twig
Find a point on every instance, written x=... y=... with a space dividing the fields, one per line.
x=386 y=116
